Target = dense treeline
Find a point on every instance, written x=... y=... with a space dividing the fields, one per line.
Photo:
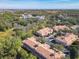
x=14 y=29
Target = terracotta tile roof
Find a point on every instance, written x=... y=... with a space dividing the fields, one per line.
x=45 y=31
x=44 y=49
x=60 y=27
x=68 y=39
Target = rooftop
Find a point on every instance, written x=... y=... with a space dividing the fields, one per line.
x=43 y=49
x=68 y=39
x=60 y=27
x=45 y=31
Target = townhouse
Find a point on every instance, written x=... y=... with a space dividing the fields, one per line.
x=67 y=39
x=42 y=51
x=44 y=32
x=60 y=27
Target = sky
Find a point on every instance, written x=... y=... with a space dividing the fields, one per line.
x=39 y=4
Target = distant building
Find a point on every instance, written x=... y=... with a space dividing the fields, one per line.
x=42 y=51
x=40 y=17
x=78 y=38
x=25 y=16
x=44 y=32
x=63 y=16
x=68 y=39
x=60 y=27
x=75 y=26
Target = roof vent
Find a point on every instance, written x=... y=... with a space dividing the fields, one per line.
x=51 y=54
x=35 y=45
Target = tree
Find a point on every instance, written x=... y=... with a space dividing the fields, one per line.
x=10 y=46
x=74 y=52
